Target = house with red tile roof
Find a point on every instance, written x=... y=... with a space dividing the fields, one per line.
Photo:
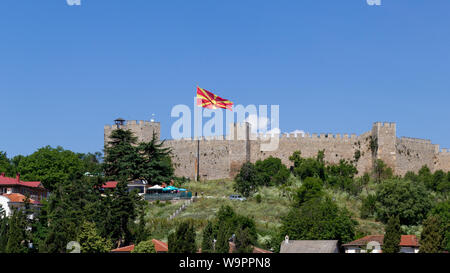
x=408 y=244
x=160 y=247
x=11 y=201
x=34 y=189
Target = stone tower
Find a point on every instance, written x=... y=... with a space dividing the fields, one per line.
x=143 y=130
x=384 y=136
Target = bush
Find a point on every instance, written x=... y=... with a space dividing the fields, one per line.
x=258 y=198
x=368 y=207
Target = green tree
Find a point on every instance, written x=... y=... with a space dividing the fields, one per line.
x=426 y=177
x=247 y=180
x=142 y=233
x=222 y=244
x=271 y=171
x=51 y=166
x=3 y=230
x=123 y=211
x=90 y=241
x=342 y=176
x=431 y=239
x=92 y=163
x=208 y=238
x=311 y=188
x=318 y=219
x=122 y=158
x=17 y=233
x=155 y=162
x=442 y=210
x=410 y=201
x=382 y=171
x=308 y=167
x=144 y=247
x=183 y=239
x=369 y=206
x=244 y=242
x=391 y=241
x=5 y=165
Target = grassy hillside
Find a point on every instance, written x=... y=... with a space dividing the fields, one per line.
x=267 y=214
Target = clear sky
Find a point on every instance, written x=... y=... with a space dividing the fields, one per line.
x=333 y=66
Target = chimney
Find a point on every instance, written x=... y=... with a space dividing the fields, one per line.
x=286 y=239
x=18 y=177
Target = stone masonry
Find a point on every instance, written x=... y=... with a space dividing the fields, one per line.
x=221 y=157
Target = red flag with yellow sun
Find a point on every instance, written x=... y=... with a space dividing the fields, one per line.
x=209 y=100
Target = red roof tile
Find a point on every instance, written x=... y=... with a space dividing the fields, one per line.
x=17 y=182
x=124 y=249
x=18 y=198
x=110 y=185
x=406 y=240
x=409 y=240
x=160 y=246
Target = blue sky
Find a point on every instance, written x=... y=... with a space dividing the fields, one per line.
x=332 y=65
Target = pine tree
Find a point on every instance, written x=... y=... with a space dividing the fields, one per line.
x=222 y=243
x=183 y=239
x=90 y=241
x=121 y=155
x=155 y=164
x=3 y=230
x=141 y=233
x=243 y=241
x=431 y=237
x=17 y=238
x=122 y=211
x=391 y=242
x=208 y=238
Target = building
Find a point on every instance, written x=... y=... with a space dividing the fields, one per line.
x=309 y=246
x=160 y=247
x=408 y=244
x=220 y=157
x=10 y=202
x=34 y=189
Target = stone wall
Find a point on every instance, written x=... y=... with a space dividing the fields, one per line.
x=222 y=157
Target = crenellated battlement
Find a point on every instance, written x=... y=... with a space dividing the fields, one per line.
x=415 y=140
x=217 y=157
x=385 y=124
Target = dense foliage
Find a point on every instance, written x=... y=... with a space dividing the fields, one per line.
x=391 y=241
x=183 y=239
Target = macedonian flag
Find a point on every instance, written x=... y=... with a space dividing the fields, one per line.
x=211 y=101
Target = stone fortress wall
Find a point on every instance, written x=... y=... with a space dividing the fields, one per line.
x=220 y=157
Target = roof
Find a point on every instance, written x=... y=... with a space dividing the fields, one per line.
x=110 y=185
x=406 y=240
x=309 y=246
x=159 y=247
x=18 y=198
x=124 y=249
x=17 y=182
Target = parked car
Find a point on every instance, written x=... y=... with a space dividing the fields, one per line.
x=237 y=197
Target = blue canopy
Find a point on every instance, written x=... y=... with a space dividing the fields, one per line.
x=182 y=189
x=170 y=188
